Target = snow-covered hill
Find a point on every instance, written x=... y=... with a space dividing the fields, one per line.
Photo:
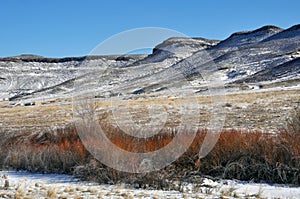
x=178 y=65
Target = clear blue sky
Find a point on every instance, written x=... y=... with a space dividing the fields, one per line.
x=59 y=28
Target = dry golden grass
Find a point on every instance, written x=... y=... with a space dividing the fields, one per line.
x=52 y=192
x=246 y=110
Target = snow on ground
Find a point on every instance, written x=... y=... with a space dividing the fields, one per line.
x=256 y=190
x=28 y=185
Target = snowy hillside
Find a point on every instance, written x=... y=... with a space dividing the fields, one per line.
x=178 y=65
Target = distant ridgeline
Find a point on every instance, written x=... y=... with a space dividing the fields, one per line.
x=245 y=60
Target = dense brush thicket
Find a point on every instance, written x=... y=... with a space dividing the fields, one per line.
x=254 y=156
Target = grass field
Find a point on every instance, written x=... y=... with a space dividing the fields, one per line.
x=265 y=111
x=43 y=138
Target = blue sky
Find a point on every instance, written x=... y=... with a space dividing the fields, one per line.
x=57 y=28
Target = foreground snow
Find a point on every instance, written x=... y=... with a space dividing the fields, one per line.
x=28 y=185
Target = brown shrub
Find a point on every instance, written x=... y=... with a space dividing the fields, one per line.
x=240 y=155
x=46 y=151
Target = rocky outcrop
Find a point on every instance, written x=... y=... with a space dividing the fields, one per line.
x=249 y=37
